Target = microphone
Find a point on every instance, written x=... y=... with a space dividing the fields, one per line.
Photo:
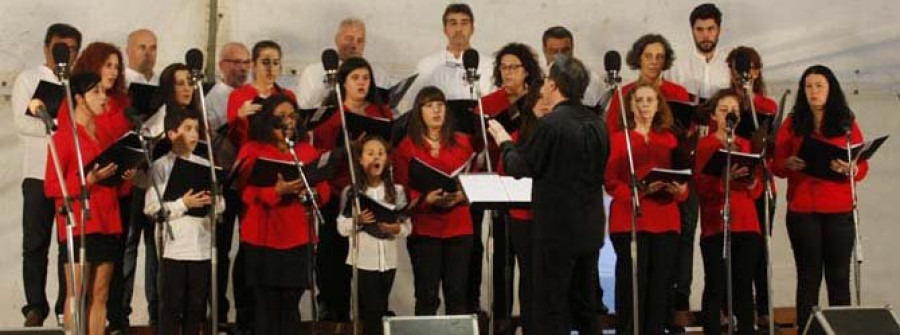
x=612 y=62
x=470 y=63
x=330 y=62
x=41 y=112
x=731 y=121
x=194 y=60
x=61 y=58
x=742 y=66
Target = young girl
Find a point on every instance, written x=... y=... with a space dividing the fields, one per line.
x=658 y=226
x=104 y=228
x=274 y=226
x=185 y=264
x=745 y=229
x=377 y=252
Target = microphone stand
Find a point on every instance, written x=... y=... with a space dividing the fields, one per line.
x=70 y=223
x=857 y=250
x=726 y=232
x=196 y=79
x=354 y=233
x=84 y=199
x=472 y=78
x=317 y=217
x=615 y=80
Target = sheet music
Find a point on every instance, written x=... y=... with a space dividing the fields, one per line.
x=492 y=188
x=518 y=190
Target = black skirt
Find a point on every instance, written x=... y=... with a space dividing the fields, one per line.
x=101 y=248
x=267 y=267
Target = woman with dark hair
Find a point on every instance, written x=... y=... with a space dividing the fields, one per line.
x=819 y=221
x=104 y=228
x=652 y=141
x=765 y=106
x=266 y=57
x=651 y=54
x=440 y=245
x=745 y=236
x=360 y=96
x=175 y=90
x=274 y=227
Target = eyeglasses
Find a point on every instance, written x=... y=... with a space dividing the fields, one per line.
x=238 y=61
x=510 y=67
x=270 y=62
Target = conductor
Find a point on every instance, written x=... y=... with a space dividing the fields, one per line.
x=566 y=157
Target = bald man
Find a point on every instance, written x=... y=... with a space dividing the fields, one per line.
x=141 y=53
x=350 y=41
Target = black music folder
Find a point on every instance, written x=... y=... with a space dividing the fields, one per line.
x=51 y=94
x=164 y=146
x=745 y=127
x=190 y=175
x=265 y=170
x=143 y=97
x=425 y=178
x=818 y=154
x=716 y=164
x=382 y=212
x=358 y=124
x=127 y=153
x=666 y=176
x=464 y=118
x=683 y=113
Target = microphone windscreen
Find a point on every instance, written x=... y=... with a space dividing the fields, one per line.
x=470 y=59
x=60 y=53
x=612 y=61
x=330 y=60
x=731 y=119
x=194 y=59
x=742 y=62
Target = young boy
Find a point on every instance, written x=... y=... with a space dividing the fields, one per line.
x=186 y=256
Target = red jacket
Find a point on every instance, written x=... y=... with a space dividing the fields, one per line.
x=111 y=124
x=658 y=214
x=239 y=125
x=325 y=139
x=104 y=200
x=807 y=194
x=711 y=192
x=670 y=91
x=269 y=220
x=456 y=221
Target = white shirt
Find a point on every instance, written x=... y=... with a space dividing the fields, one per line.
x=32 y=133
x=191 y=234
x=312 y=91
x=132 y=76
x=447 y=73
x=374 y=254
x=217 y=105
x=699 y=77
x=594 y=90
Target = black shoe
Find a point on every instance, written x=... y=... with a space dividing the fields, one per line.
x=34 y=318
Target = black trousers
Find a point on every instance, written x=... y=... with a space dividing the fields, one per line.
x=277 y=310
x=185 y=290
x=564 y=289
x=683 y=272
x=440 y=263
x=520 y=236
x=115 y=306
x=38 y=214
x=140 y=225
x=476 y=263
x=823 y=245
x=374 y=293
x=334 y=275
x=656 y=259
x=224 y=239
x=761 y=280
x=744 y=253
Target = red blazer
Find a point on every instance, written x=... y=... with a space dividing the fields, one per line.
x=711 y=193
x=325 y=139
x=670 y=91
x=238 y=125
x=427 y=221
x=269 y=220
x=111 y=124
x=518 y=214
x=807 y=194
x=658 y=214
x=104 y=200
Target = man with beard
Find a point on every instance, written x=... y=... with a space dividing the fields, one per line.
x=703 y=71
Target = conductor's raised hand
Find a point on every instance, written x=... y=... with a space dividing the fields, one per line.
x=98 y=174
x=498 y=132
x=197 y=199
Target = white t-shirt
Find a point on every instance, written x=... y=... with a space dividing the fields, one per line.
x=132 y=76
x=699 y=77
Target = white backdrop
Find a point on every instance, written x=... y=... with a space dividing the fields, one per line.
x=858 y=39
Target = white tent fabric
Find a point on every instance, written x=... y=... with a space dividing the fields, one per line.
x=858 y=39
